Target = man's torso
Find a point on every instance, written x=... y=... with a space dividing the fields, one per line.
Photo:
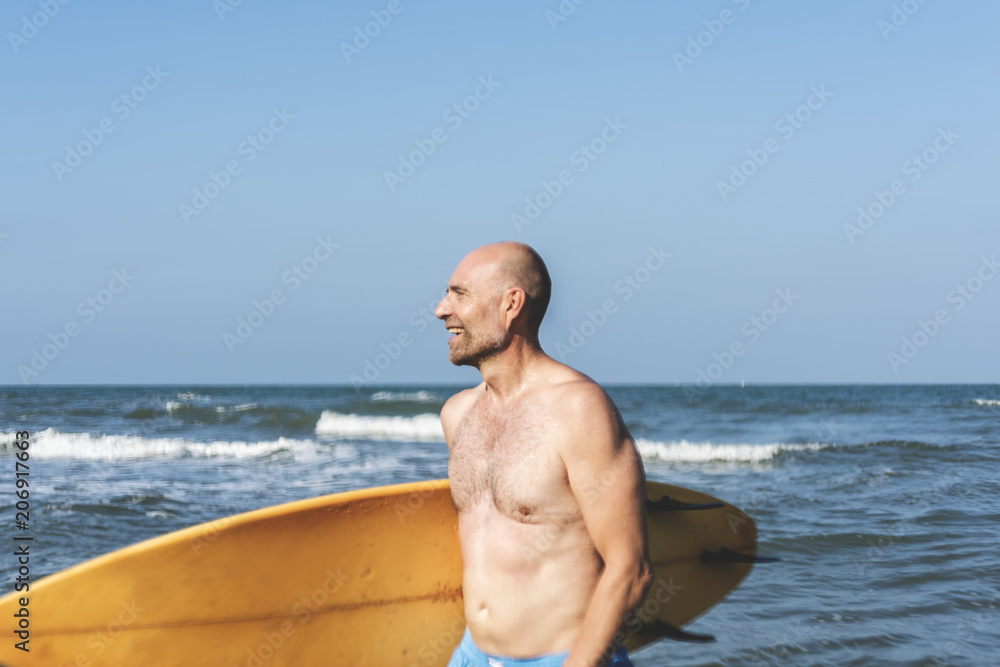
x=530 y=568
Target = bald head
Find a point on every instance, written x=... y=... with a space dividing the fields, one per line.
x=518 y=265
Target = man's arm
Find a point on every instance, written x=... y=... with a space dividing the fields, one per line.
x=454 y=411
x=606 y=478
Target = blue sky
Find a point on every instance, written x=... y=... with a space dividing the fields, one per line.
x=728 y=144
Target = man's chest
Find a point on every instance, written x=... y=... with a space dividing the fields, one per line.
x=507 y=461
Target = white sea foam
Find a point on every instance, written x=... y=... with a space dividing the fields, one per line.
x=411 y=396
x=191 y=397
x=53 y=444
x=418 y=427
x=682 y=451
x=986 y=401
x=174 y=406
x=236 y=408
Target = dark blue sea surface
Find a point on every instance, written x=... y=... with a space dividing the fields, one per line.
x=883 y=501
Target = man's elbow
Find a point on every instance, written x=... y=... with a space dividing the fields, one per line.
x=642 y=581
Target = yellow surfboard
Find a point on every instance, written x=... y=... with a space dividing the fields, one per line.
x=368 y=578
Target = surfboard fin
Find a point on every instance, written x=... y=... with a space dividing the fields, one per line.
x=668 y=504
x=663 y=630
x=727 y=555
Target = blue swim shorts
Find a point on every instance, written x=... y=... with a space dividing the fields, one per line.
x=467 y=654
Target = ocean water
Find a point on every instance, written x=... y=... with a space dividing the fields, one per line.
x=883 y=501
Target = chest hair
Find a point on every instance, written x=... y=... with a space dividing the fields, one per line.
x=497 y=459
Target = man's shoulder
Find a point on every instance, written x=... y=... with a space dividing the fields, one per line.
x=575 y=395
x=586 y=416
x=456 y=407
x=463 y=399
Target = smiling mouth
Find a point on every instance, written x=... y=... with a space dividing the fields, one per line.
x=457 y=331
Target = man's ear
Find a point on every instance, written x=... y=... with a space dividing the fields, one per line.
x=513 y=303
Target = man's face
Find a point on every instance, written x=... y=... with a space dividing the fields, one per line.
x=471 y=312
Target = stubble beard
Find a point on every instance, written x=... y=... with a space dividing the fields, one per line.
x=476 y=348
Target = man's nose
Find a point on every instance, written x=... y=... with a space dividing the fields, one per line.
x=442 y=311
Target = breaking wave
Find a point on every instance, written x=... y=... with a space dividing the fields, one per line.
x=363 y=427
x=53 y=444
x=682 y=451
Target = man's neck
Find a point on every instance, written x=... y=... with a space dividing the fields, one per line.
x=509 y=372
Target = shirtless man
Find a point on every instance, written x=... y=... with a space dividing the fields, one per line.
x=548 y=484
